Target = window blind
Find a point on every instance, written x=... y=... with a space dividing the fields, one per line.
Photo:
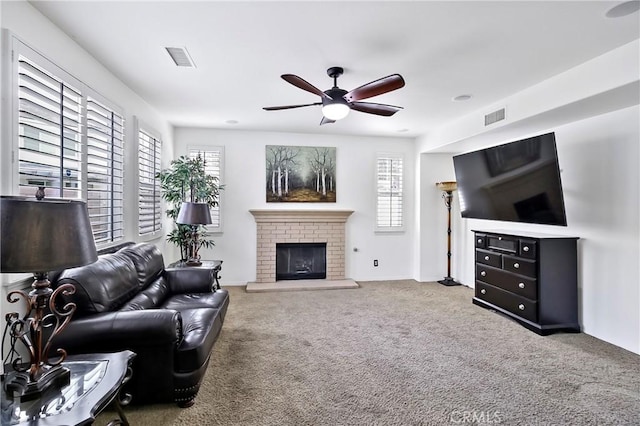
x=70 y=141
x=149 y=196
x=105 y=165
x=389 y=211
x=213 y=166
x=49 y=133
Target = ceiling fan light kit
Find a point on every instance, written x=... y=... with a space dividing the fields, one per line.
x=336 y=102
x=335 y=110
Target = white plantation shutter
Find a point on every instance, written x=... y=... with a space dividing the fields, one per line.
x=49 y=133
x=389 y=206
x=105 y=165
x=68 y=142
x=213 y=158
x=149 y=196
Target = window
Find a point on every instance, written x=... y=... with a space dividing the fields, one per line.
x=70 y=141
x=105 y=164
x=149 y=196
x=213 y=158
x=389 y=209
x=49 y=133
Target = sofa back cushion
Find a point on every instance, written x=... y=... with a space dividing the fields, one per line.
x=102 y=286
x=153 y=296
x=148 y=262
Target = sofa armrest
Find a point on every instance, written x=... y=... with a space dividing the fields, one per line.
x=190 y=280
x=114 y=331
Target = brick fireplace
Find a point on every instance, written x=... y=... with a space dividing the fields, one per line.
x=300 y=226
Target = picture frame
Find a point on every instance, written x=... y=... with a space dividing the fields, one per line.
x=302 y=174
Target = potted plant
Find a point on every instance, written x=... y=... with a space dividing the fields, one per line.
x=186 y=180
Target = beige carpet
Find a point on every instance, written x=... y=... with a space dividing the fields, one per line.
x=400 y=353
x=300 y=285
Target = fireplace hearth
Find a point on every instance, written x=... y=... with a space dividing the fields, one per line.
x=301 y=261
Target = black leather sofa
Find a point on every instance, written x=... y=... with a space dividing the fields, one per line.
x=169 y=317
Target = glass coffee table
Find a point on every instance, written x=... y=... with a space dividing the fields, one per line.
x=95 y=383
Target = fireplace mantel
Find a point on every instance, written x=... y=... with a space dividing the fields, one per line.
x=300 y=226
x=272 y=215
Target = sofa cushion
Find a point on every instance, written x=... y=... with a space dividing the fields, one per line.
x=197 y=300
x=148 y=261
x=200 y=329
x=149 y=298
x=102 y=286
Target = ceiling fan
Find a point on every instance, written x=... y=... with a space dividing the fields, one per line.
x=336 y=102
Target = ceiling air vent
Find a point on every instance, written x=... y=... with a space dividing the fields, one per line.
x=494 y=117
x=181 y=57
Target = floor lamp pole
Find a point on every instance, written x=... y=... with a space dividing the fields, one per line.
x=448 y=188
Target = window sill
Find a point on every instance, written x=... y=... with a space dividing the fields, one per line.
x=383 y=231
x=151 y=237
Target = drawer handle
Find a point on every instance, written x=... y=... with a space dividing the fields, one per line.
x=483 y=273
x=486 y=258
x=521 y=285
x=483 y=291
x=521 y=307
x=525 y=248
x=516 y=265
x=479 y=240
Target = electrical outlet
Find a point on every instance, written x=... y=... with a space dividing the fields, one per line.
x=375 y=262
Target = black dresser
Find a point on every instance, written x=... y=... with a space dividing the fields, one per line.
x=531 y=278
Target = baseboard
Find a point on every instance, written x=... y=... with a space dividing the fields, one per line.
x=301 y=285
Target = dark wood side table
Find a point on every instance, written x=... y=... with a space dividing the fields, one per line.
x=215 y=266
x=96 y=382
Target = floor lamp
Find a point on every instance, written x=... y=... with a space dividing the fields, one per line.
x=447 y=196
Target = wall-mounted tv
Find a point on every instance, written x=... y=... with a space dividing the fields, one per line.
x=517 y=182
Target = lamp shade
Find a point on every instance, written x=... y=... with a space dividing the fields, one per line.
x=44 y=235
x=194 y=214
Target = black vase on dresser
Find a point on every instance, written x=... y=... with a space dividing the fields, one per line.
x=531 y=278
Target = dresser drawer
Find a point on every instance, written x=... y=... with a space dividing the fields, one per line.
x=489 y=258
x=517 y=305
x=522 y=286
x=528 y=249
x=519 y=265
x=481 y=240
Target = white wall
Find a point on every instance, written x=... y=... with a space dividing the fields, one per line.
x=28 y=25
x=599 y=170
x=598 y=154
x=605 y=83
x=593 y=110
x=31 y=27
x=245 y=190
x=432 y=245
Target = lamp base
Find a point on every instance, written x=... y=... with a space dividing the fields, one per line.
x=18 y=383
x=449 y=282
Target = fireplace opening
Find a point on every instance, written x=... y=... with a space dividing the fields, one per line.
x=301 y=261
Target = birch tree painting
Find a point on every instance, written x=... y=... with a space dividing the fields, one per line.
x=300 y=174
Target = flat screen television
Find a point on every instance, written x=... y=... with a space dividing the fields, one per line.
x=516 y=182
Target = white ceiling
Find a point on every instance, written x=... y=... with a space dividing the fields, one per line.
x=442 y=49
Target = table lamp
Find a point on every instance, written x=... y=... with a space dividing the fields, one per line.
x=38 y=236
x=447 y=195
x=194 y=214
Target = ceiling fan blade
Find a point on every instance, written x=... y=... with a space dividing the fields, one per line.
x=326 y=120
x=373 y=108
x=304 y=85
x=276 y=108
x=375 y=88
